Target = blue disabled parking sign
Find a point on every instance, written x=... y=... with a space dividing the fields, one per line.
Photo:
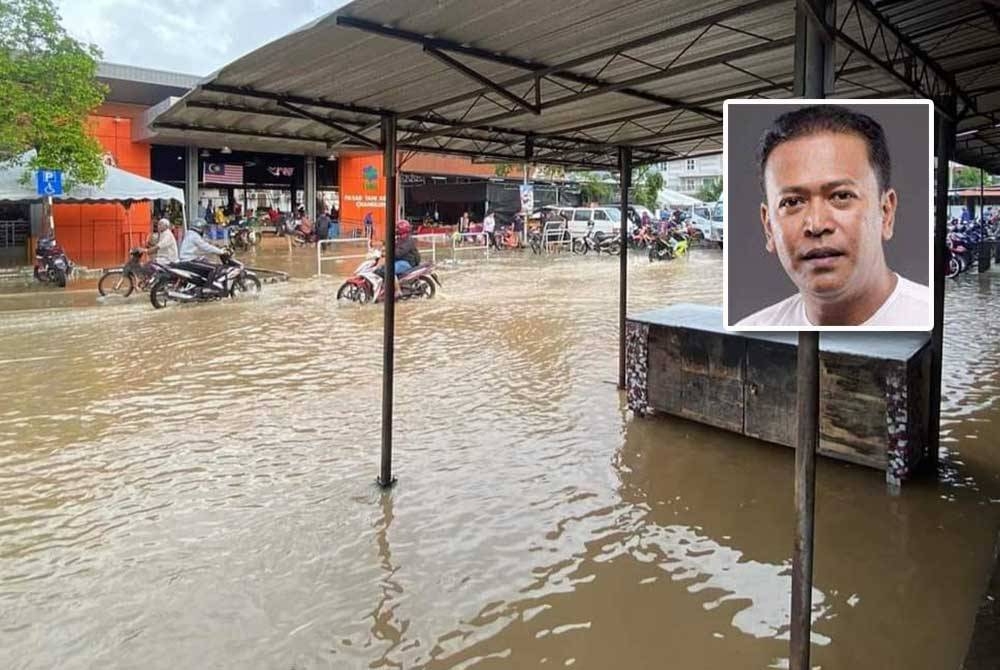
x=49 y=182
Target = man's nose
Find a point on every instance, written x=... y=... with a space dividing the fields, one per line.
x=817 y=220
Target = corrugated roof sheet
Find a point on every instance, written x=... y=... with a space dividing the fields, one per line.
x=645 y=73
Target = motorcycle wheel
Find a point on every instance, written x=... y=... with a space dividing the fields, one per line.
x=116 y=282
x=59 y=277
x=579 y=246
x=360 y=294
x=614 y=248
x=954 y=267
x=158 y=294
x=247 y=285
x=424 y=288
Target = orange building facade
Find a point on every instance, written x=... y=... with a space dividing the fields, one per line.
x=101 y=235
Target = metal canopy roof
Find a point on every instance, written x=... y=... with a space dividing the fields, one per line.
x=566 y=83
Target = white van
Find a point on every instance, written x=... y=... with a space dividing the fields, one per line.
x=606 y=219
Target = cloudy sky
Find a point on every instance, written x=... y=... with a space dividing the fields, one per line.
x=189 y=36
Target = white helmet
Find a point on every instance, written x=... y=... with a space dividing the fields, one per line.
x=198 y=225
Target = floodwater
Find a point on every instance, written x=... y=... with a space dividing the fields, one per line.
x=193 y=488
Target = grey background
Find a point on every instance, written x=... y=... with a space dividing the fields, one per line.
x=756 y=278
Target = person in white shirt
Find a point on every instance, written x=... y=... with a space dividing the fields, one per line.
x=194 y=247
x=489 y=225
x=164 y=249
x=828 y=209
x=195 y=251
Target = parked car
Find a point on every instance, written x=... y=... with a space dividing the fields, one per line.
x=606 y=219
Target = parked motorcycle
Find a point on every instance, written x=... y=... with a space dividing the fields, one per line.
x=198 y=282
x=959 y=255
x=365 y=285
x=642 y=237
x=668 y=246
x=51 y=263
x=507 y=238
x=596 y=242
x=133 y=275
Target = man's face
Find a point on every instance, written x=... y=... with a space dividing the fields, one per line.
x=824 y=216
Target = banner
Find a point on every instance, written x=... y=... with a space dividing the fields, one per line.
x=527 y=198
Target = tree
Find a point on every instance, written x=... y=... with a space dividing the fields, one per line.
x=966 y=177
x=647 y=183
x=49 y=88
x=593 y=188
x=710 y=192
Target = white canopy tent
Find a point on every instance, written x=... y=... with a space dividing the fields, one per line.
x=669 y=198
x=119 y=186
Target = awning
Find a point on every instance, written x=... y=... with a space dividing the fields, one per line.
x=119 y=186
x=567 y=83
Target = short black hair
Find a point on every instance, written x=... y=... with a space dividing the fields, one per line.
x=830 y=119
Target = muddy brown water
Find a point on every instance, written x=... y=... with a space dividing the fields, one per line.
x=193 y=488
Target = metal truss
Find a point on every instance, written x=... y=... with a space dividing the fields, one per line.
x=880 y=43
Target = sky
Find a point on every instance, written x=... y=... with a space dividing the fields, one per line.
x=189 y=36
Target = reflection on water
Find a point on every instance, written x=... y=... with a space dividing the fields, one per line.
x=194 y=487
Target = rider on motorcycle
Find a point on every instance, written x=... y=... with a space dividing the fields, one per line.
x=407 y=255
x=194 y=250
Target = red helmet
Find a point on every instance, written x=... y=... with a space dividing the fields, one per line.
x=403 y=228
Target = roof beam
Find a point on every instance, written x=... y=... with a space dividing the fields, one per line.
x=330 y=124
x=488 y=83
x=635 y=81
x=922 y=85
x=294 y=99
x=561 y=70
x=513 y=157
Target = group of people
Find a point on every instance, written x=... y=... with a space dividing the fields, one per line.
x=162 y=246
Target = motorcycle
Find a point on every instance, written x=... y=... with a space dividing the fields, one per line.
x=596 y=242
x=959 y=256
x=51 y=263
x=241 y=236
x=642 y=237
x=668 y=246
x=124 y=280
x=507 y=238
x=193 y=282
x=365 y=285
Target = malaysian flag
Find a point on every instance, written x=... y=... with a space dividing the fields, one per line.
x=223 y=173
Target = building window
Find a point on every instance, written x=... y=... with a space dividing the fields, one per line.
x=690 y=165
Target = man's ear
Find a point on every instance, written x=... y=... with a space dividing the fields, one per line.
x=889 y=202
x=765 y=221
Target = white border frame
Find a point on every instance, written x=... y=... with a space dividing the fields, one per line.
x=726 y=202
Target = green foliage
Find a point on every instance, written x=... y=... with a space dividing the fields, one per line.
x=502 y=170
x=48 y=89
x=647 y=183
x=594 y=189
x=966 y=177
x=710 y=192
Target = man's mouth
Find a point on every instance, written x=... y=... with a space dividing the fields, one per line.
x=821 y=253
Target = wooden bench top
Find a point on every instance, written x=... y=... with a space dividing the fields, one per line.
x=881 y=345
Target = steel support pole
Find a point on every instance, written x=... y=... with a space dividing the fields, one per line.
x=190 y=185
x=625 y=168
x=985 y=248
x=309 y=188
x=814 y=77
x=944 y=141
x=386 y=479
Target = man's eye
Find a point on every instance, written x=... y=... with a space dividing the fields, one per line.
x=843 y=196
x=789 y=202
